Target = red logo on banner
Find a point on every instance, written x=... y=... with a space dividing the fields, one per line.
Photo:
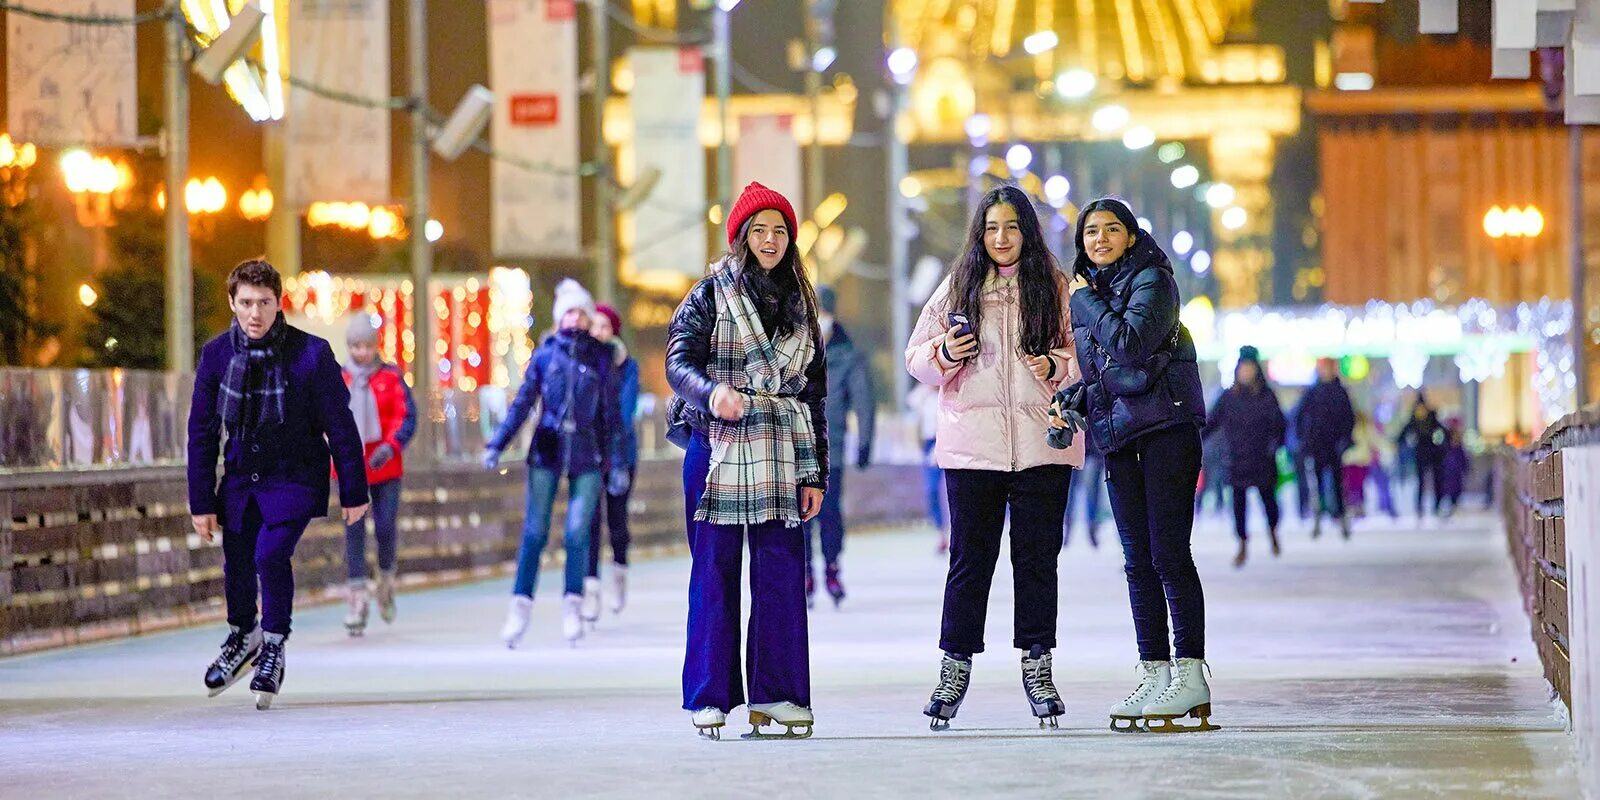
x=560 y=10
x=534 y=110
x=691 y=60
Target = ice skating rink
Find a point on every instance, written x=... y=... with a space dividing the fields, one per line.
x=1395 y=665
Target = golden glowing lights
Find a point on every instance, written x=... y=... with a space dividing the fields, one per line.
x=204 y=196
x=87 y=295
x=256 y=202
x=99 y=175
x=380 y=222
x=12 y=154
x=1515 y=222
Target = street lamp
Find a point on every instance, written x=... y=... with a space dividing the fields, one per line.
x=1513 y=230
x=92 y=181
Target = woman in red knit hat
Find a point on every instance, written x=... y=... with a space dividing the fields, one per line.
x=747 y=369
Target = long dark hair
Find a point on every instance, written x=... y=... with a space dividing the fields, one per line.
x=784 y=298
x=1038 y=277
x=1081 y=265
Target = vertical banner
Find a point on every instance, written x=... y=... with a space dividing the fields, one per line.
x=337 y=150
x=769 y=153
x=69 y=84
x=533 y=70
x=1580 y=468
x=669 y=89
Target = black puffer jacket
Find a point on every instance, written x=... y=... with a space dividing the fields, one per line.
x=688 y=354
x=1128 y=315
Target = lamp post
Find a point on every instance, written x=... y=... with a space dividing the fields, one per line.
x=1513 y=231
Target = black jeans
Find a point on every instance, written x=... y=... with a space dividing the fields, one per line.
x=1152 y=485
x=1241 y=510
x=829 y=521
x=616 y=513
x=979 y=499
x=1428 y=473
x=1330 y=487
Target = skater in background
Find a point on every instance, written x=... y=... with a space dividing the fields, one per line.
x=995 y=339
x=748 y=369
x=924 y=402
x=1424 y=438
x=1325 y=424
x=1383 y=456
x=276 y=390
x=386 y=417
x=1142 y=397
x=607 y=330
x=1358 y=462
x=1086 y=490
x=1300 y=465
x=1453 y=468
x=571 y=379
x=1250 y=425
x=849 y=392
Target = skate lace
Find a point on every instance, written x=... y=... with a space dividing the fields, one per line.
x=952 y=680
x=1147 y=683
x=1180 y=678
x=271 y=659
x=1036 y=674
x=233 y=650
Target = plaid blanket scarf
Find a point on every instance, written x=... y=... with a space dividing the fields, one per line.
x=254 y=382
x=759 y=462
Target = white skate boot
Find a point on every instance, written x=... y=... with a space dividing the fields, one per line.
x=591 y=601
x=355 y=615
x=1186 y=696
x=572 y=618
x=709 y=721
x=787 y=714
x=619 y=587
x=1128 y=715
x=516 y=620
x=386 y=607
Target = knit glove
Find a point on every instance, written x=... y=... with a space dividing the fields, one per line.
x=1061 y=438
x=381 y=455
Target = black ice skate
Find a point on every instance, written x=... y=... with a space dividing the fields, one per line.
x=954 y=676
x=238 y=651
x=269 y=672
x=1041 y=688
x=835 y=586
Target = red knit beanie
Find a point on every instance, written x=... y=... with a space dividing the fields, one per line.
x=753 y=200
x=610 y=314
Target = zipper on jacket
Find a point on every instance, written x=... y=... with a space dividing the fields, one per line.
x=1005 y=339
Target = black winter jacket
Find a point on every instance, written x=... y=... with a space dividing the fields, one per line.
x=850 y=389
x=1252 y=428
x=1126 y=316
x=689 y=353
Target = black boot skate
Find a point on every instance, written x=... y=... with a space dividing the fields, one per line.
x=269 y=671
x=835 y=586
x=239 y=650
x=955 y=674
x=1041 y=688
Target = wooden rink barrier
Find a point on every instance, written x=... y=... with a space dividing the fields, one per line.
x=95 y=554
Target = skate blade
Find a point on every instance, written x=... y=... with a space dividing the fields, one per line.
x=264 y=700
x=1128 y=725
x=355 y=633
x=758 y=719
x=710 y=732
x=1168 y=723
x=1050 y=722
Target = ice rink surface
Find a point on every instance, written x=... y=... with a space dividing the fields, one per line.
x=1395 y=665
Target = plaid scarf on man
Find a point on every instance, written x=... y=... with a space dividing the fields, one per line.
x=759 y=462
x=253 y=386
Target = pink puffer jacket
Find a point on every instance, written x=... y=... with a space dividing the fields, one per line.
x=993 y=412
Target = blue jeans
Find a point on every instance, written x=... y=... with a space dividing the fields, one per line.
x=778 y=655
x=1088 y=490
x=385 y=515
x=583 y=492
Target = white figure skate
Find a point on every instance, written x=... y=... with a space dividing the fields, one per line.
x=355 y=615
x=572 y=618
x=792 y=717
x=1128 y=715
x=516 y=620
x=619 y=587
x=385 y=596
x=709 y=721
x=591 y=601
x=1186 y=696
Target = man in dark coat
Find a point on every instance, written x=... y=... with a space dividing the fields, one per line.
x=849 y=391
x=1252 y=428
x=280 y=396
x=1326 y=424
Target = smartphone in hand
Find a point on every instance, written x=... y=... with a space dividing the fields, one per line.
x=957 y=319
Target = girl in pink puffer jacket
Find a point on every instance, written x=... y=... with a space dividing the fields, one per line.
x=996 y=338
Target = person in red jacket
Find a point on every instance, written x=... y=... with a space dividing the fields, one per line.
x=386 y=415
